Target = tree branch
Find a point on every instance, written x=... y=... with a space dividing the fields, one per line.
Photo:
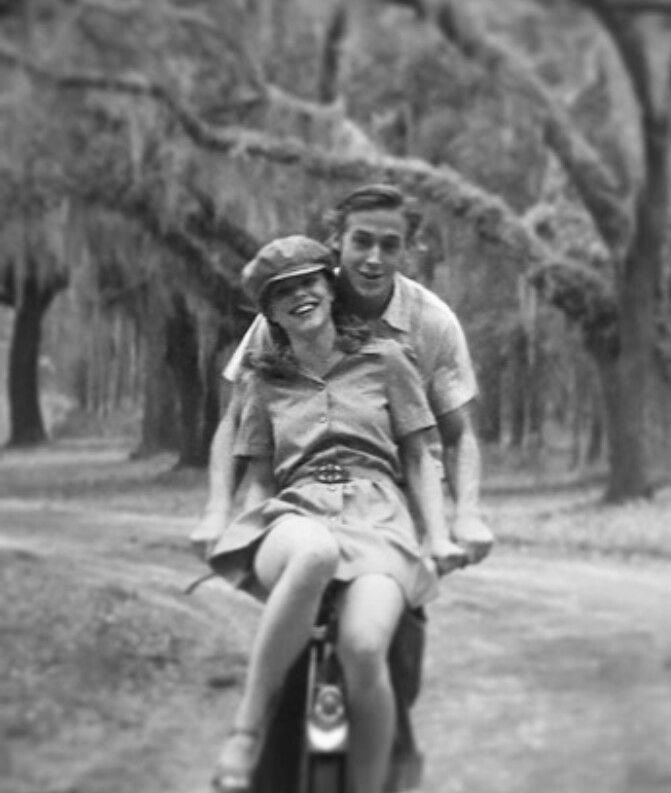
x=329 y=68
x=134 y=202
x=628 y=43
x=642 y=7
x=491 y=218
x=116 y=7
x=490 y=215
x=210 y=224
x=583 y=296
x=188 y=16
x=593 y=180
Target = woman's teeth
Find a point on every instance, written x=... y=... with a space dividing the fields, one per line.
x=304 y=309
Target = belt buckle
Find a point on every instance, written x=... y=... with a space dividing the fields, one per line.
x=331 y=473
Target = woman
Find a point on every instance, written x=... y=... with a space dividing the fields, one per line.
x=334 y=421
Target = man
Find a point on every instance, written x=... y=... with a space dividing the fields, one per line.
x=372 y=229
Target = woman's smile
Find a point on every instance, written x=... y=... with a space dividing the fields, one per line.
x=304 y=308
x=301 y=302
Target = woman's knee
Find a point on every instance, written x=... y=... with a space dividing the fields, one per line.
x=370 y=612
x=300 y=549
x=315 y=561
x=363 y=654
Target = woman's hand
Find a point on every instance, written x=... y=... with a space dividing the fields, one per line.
x=447 y=556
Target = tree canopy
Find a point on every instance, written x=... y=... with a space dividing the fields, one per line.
x=535 y=136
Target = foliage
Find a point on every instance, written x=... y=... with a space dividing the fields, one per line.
x=198 y=125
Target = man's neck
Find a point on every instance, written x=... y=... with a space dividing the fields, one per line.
x=361 y=306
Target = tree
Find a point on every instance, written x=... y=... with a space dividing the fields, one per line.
x=30 y=305
x=276 y=152
x=84 y=157
x=32 y=272
x=620 y=320
x=169 y=203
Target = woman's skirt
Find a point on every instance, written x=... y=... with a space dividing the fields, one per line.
x=368 y=518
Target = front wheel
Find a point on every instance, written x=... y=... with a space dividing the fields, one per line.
x=326 y=774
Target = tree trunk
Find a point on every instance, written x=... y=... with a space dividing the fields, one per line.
x=596 y=435
x=327 y=87
x=536 y=396
x=518 y=395
x=595 y=440
x=32 y=301
x=628 y=472
x=631 y=384
x=159 y=416
x=183 y=361
x=212 y=406
x=489 y=414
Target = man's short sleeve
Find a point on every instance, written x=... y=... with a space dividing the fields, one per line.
x=452 y=382
x=252 y=341
x=408 y=405
x=255 y=434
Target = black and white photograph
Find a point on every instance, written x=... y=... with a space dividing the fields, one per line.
x=335 y=396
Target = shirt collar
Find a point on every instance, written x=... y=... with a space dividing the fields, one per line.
x=397 y=313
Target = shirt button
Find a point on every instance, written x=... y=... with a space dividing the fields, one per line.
x=323 y=419
x=321 y=386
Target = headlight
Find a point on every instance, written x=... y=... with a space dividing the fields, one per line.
x=328 y=729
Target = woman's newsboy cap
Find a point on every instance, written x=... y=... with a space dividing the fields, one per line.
x=283 y=258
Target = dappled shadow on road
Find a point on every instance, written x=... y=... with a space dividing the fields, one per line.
x=93 y=469
x=105 y=661
x=550 y=674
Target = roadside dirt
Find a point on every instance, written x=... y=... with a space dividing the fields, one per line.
x=545 y=671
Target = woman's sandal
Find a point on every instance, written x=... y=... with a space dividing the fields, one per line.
x=237 y=762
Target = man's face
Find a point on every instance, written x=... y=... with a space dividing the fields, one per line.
x=372 y=248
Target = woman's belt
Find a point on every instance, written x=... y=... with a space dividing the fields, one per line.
x=333 y=473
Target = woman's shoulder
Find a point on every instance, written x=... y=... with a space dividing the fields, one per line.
x=391 y=351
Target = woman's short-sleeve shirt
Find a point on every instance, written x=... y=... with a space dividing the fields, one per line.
x=354 y=415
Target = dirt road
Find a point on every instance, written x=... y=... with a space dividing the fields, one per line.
x=543 y=674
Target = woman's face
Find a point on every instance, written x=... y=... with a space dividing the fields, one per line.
x=302 y=304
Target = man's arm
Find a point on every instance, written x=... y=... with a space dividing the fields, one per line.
x=426 y=495
x=463 y=469
x=225 y=470
x=224 y=473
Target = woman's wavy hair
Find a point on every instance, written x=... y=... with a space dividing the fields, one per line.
x=277 y=362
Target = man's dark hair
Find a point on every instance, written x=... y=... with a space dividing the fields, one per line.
x=374 y=196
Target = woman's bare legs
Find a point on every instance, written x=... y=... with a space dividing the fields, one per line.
x=295 y=563
x=370 y=610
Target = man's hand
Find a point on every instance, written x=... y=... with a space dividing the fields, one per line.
x=204 y=537
x=474 y=536
x=447 y=556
